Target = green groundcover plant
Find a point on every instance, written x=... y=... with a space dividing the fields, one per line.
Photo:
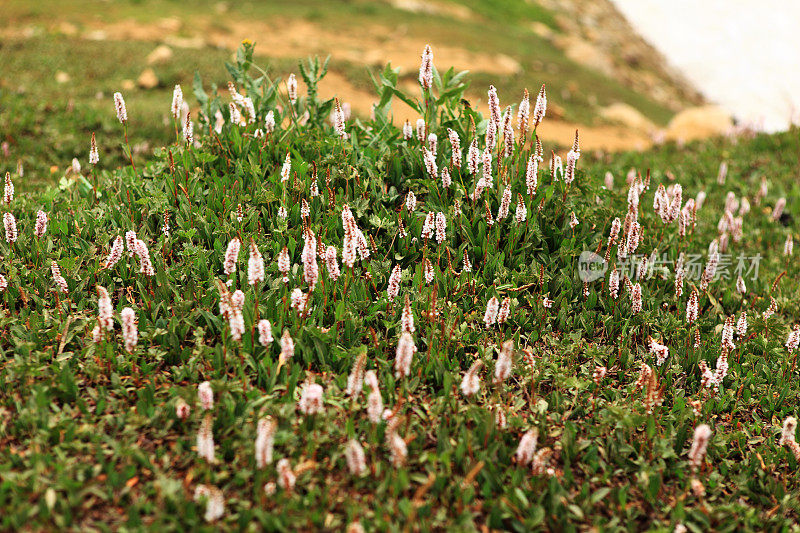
x=295 y=319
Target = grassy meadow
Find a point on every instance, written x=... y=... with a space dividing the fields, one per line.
x=102 y=46
x=432 y=360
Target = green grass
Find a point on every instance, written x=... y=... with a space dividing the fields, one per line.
x=47 y=124
x=89 y=436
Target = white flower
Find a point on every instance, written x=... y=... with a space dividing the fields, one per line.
x=471 y=383
x=286 y=168
x=265 y=332
x=291 y=88
x=527 y=447
x=492 y=309
x=426 y=68
x=177 y=102
x=119 y=105
x=311 y=399
x=206 y=395
x=265 y=437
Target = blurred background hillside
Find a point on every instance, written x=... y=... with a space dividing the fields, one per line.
x=63 y=59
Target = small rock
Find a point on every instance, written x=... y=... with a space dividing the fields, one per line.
x=62 y=77
x=699 y=123
x=96 y=35
x=627 y=116
x=161 y=54
x=193 y=43
x=507 y=63
x=68 y=28
x=147 y=79
x=586 y=54
x=128 y=85
x=542 y=30
x=170 y=24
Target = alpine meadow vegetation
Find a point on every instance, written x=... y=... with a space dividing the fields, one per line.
x=291 y=318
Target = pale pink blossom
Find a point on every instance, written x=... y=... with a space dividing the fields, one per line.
x=255 y=265
x=286 y=168
x=331 y=263
x=105 y=310
x=697 y=452
x=215 y=503
x=471 y=383
x=286 y=477
x=41 y=224
x=287 y=346
x=426 y=68
x=130 y=333
x=284 y=264
x=356 y=460
x=492 y=309
x=441 y=227
x=59 y=280
x=394 y=283
x=311 y=399
x=177 y=102
x=404 y=355
x=531 y=175
x=146 y=266
x=540 y=109
x=527 y=447
x=8 y=195
x=119 y=106
x=115 y=254
x=502 y=368
x=94 y=156
x=130 y=242
x=265 y=332
x=11 y=227
x=374 y=398
x=265 y=438
x=407 y=319
x=182 y=409
x=291 y=88
x=206 y=395
x=231 y=256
